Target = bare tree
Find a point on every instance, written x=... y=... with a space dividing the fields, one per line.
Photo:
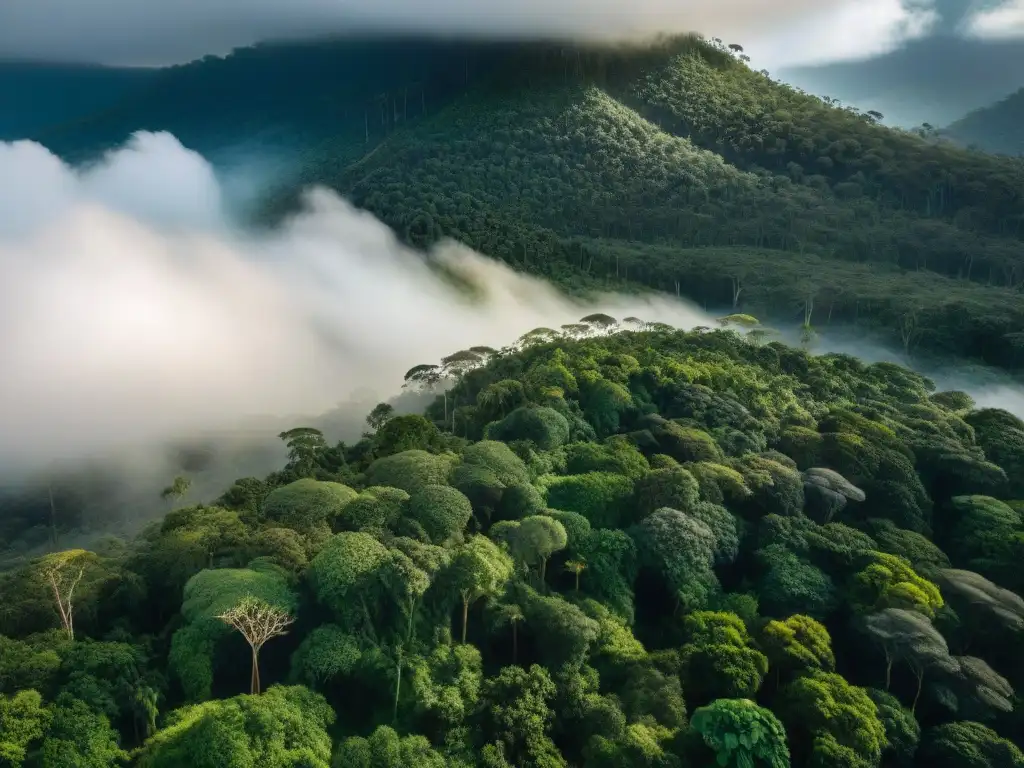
x=63 y=571
x=257 y=622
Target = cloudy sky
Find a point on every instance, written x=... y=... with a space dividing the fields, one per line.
x=779 y=32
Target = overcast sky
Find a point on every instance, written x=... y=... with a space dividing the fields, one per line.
x=779 y=32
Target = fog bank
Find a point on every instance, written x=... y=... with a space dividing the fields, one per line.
x=133 y=312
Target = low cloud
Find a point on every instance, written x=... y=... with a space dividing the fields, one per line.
x=133 y=313
x=1004 y=21
x=131 y=32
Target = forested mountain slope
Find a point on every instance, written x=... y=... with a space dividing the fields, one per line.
x=620 y=164
x=997 y=128
x=627 y=165
x=617 y=545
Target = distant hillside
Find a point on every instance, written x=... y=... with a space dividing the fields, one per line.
x=998 y=128
x=34 y=97
x=672 y=166
x=932 y=80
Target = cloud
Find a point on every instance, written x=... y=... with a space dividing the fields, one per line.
x=132 y=32
x=1002 y=22
x=847 y=32
x=132 y=312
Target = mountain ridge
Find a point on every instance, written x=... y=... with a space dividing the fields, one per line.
x=616 y=166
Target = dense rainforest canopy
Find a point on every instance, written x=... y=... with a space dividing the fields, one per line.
x=621 y=545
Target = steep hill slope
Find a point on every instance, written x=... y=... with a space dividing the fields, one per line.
x=672 y=166
x=997 y=128
x=630 y=167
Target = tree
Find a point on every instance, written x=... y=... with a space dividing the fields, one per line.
x=901 y=729
x=515 y=717
x=833 y=717
x=969 y=745
x=380 y=415
x=479 y=568
x=576 y=567
x=306 y=446
x=742 y=734
x=797 y=645
x=306 y=503
x=282 y=728
x=257 y=622
x=23 y=719
x=682 y=549
x=443 y=512
x=386 y=749
x=791 y=584
x=888 y=581
x=63 y=571
x=909 y=636
x=532 y=540
x=177 y=490
x=79 y=737
x=719 y=659
x=410 y=470
x=981 y=595
x=208 y=596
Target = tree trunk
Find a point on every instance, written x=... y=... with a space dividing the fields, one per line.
x=254 y=681
x=577 y=580
x=888 y=671
x=465 y=617
x=920 y=682
x=398 y=687
x=543 y=570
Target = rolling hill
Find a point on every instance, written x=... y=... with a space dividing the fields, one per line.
x=997 y=128
x=672 y=166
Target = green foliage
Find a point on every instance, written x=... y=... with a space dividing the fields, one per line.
x=719 y=658
x=346 y=575
x=23 y=719
x=79 y=737
x=515 y=717
x=615 y=455
x=681 y=548
x=888 y=581
x=969 y=744
x=409 y=470
x=327 y=652
x=375 y=509
x=797 y=645
x=407 y=433
x=386 y=749
x=986 y=536
x=544 y=427
x=306 y=503
x=285 y=727
x=442 y=511
x=902 y=731
x=674 y=488
x=791 y=584
x=742 y=734
x=601 y=497
x=835 y=717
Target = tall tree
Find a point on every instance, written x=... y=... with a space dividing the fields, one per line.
x=258 y=622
